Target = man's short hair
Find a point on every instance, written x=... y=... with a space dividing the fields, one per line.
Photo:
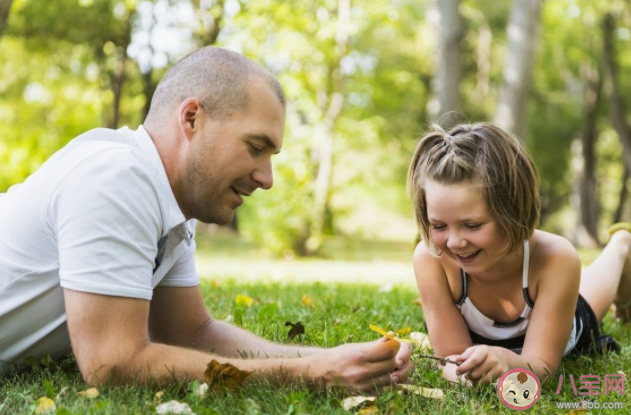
x=216 y=76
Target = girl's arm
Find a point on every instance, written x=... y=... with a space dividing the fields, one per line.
x=555 y=305
x=447 y=330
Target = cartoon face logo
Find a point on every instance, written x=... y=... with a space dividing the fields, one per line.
x=519 y=389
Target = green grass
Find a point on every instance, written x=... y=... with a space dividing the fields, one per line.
x=340 y=313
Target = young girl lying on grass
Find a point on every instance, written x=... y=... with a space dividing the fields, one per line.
x=497 y=293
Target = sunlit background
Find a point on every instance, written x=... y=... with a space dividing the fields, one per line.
x=364 y=79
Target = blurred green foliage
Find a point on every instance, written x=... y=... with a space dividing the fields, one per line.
x=64 y=63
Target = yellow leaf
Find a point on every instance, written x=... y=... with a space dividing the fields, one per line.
x=158 y=396
x=388 y=335
x=224 y=375
x=242 y=300
x=369 y=410
x=424 y=392
x=90 y=393
x=306 y=301
x=353 y=401
x=45 y=405
x=421 y=340
x=216 y=284
x=404 y=331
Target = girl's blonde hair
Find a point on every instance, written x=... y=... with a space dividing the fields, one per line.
x=484 y=155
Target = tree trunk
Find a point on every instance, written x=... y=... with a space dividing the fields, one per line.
x=623 y=196
x=451 y=29
x=523 y=32
x=326 y=131
x=589 y=207
x=117 y=81
x=5 y=7
x=617 y=109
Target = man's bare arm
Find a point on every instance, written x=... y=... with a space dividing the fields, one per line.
x=110 y=339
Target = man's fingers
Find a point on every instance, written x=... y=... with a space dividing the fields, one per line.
x=402 y=374
x=382 y=350
x=404 y=354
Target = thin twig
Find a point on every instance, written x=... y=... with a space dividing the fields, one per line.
x=442 y=360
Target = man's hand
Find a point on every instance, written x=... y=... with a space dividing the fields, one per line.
x=404 y=366
x=483 y=364
x=357 y=366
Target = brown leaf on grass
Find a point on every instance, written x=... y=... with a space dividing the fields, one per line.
x=221 y=376
x=90 y=393
x=296 y=329
x=355 y=401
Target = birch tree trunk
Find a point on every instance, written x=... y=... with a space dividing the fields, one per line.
x=5 y=7
x=618 y=111
x=451 y=29
x=326 y=130
x=587 y=230
x=523 y=33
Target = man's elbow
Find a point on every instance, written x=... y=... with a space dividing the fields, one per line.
x=113 y=369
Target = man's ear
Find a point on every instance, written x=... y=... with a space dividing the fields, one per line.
x=190 y=115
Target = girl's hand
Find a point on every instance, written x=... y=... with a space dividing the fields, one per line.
x=483 y=364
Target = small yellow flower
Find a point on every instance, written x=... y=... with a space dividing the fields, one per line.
x=306 y=300
x=45 y=405
x=90 y=393
x=404 y=331
x=242 y=300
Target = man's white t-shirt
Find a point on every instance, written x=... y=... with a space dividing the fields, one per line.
x=100 y=217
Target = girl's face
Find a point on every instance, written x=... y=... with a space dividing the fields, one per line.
x=461 y=226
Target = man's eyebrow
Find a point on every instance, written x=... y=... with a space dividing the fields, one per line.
x=266 y=140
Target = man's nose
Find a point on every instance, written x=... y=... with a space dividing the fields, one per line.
x=263 y=175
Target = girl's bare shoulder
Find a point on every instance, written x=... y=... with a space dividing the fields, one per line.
x=431 y=269
x=552 y=256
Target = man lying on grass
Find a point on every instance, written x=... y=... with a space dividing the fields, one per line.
x=97 y=246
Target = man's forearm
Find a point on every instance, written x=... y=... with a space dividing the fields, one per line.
x=227 y=340
x=159 y=363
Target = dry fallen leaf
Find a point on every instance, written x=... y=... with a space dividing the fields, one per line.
x=201 y=390
x=158 y=396
x=242 y=300
x=369 y=410
x=421 y=340
x=174 y=407
x=424 y=392
x=224 y=375
x=90 y=393
x=306 y=301
x=388 y=335
x=296 y=329
x=354 y=401
x=45 y=405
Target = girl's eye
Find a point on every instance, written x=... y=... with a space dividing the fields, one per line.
x=473 y=226
x=438 y=227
